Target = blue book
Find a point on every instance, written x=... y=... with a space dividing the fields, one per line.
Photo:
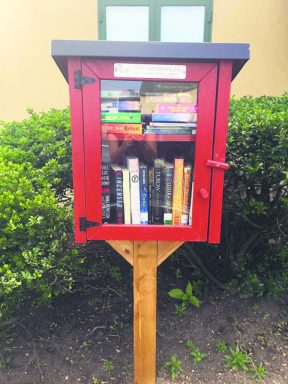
x=144 y=193
x=173 y=117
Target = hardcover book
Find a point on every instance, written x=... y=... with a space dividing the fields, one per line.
x=126 y=195
x=133 y=166
x=105 y=193
x=129 y=105
x=117 y=193
x=135 y=129
x=173 y=117
x=177 y=131
x=121 y=117
x=143 y=174
x=110 y=106
x=172 y=125
x=177 y=108
x=116 y=94
x=168 y=176
x=191 y=203
x=177 y=191
x=150 y=188
x=158 y=192
x=186 y=194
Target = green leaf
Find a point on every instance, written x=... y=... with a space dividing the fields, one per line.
x=176 y=293
x=189 y=289
x=194 y=301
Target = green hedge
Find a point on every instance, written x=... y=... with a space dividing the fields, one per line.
x=253 y=254
x=37 y=256
x=256 y=199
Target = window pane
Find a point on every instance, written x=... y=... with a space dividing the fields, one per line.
x=127 y=23
x=148 y=146
x=182 y=23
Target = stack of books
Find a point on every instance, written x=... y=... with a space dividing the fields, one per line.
x=142 y=194
x=121 y=114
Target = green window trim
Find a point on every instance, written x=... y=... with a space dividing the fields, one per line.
x=155 y=14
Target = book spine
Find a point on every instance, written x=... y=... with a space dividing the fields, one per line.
x=133 y=166
x=129 y=105
x=191 y=203
x=121 y=117
x=143 y=174
x=177 y=191
x=172 y=125
x=158 y=193
x=126 y=196
x=119 y=197
x=111 y=106
x=106 y=94
x=105 y=193
x=170 y=132
x=168 y=175
x=186 y=195
x=134 y=129
x=171 y=117
x=177 y=108
x=151 y=183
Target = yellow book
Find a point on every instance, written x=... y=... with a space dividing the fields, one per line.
x=186 y=193
x=177 y=192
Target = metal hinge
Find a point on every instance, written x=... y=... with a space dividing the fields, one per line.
x=84 y=224
x=80 y=80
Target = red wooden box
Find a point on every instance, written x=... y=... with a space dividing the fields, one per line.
x=182 y=88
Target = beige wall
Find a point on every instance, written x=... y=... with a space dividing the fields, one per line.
x=28 y=74
x=30 y=78
x=263 y=24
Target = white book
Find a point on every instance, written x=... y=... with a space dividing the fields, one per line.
x=126 y=195
x=133 y=166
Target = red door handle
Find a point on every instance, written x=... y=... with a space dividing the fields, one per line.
x=204 y=193
x=217 y=164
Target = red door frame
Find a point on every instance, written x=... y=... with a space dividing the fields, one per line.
x=206 y=75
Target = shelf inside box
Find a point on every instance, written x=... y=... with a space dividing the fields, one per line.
x=147 y=137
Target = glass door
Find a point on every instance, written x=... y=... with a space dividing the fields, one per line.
x=148 y=150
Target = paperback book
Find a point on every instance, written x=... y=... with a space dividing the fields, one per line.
x=168 y=194
x=186 y=194
x=177 y=108
x=117 y=194
x=133 y=167
x=126 y=195
x=121 y=117
x=177 y=191
x=105 y=193
x=135 y=129
x=173 y=117
x=158 y=192
x=144 y=193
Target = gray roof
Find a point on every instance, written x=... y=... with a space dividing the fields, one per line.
x=130 y=50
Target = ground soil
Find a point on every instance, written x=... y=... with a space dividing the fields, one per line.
x=72 y=341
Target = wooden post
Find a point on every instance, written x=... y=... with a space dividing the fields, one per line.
x=145 y=290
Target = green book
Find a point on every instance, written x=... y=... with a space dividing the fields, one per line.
x=121 y=117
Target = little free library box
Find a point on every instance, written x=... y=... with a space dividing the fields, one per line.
x=149 y=129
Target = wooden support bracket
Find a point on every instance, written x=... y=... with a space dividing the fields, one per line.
x=126 y=249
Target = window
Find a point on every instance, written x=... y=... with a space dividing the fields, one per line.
x=158 y=20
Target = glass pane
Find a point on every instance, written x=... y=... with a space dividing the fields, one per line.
x=125 y=23
x=148 y=141
x=182 y=23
